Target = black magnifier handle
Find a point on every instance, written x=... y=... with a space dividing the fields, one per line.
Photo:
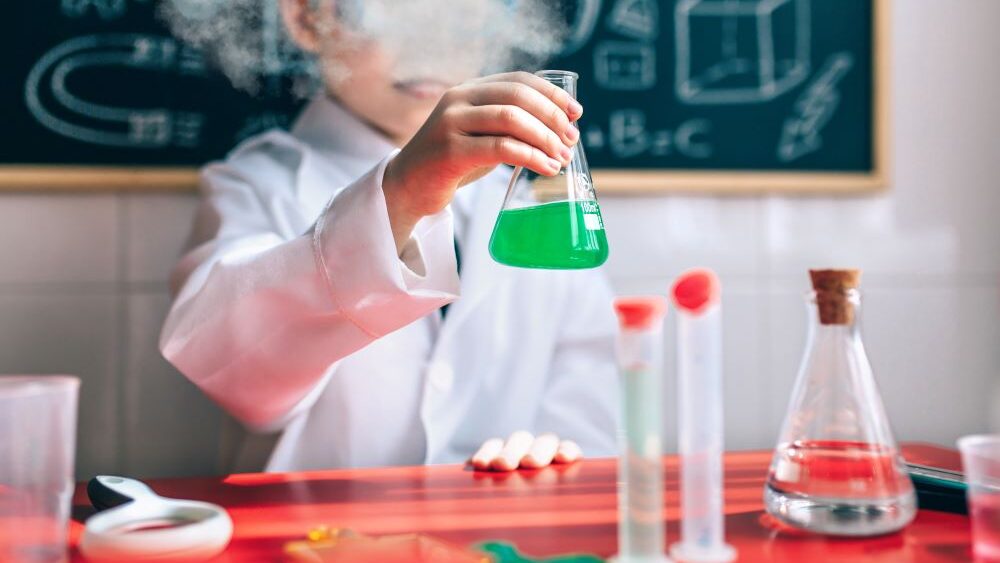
x=107 y=491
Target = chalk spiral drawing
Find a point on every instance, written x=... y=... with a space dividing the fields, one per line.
x=104 y=124
x=581 y=29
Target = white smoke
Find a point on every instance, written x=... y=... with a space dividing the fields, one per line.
x=448 y=40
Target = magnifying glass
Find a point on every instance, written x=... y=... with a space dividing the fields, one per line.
x=136 y=523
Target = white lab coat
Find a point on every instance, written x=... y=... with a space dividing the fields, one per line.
x=297 y=315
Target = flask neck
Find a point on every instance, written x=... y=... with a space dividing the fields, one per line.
x=834 y=317
x=834 y=310
x=561 y=78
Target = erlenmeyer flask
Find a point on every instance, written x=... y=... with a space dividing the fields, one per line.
x=837 y=469
x=551 y=222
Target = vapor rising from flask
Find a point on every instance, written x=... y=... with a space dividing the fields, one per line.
x=445 y=40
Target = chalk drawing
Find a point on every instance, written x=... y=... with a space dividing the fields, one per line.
x=258 y=123
x=595 y=139
x=629 y=137
x=639 y=19
x=620 y=65
x=106 y=9
x=54 y=105
x=814 y=108
x=581 y=28
x=728 y=51
x=690 y=138
x=627 y=130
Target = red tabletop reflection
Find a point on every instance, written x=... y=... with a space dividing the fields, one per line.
x=544 y=512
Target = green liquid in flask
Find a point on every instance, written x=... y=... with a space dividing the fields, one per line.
x=562 y=235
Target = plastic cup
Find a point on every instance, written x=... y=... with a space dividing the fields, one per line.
x=37 y=444
x=981 y=461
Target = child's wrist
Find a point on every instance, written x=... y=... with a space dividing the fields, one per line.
x=397 y=200
x=402 y=217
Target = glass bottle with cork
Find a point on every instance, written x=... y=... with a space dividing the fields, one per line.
x=836 y=469
x=552 y=222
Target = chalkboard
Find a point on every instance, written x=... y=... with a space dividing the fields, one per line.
x=731 y=94
x=98 y=94
x=725 y=95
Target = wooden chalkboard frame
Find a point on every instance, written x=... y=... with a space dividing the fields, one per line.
x=77 y=178
x=97 y=178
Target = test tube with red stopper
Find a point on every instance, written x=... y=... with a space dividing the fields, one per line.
x=699 y=386
x=640 y=467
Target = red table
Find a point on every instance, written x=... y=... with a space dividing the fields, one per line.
x=549 y=511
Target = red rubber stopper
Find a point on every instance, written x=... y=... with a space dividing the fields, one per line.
x=640 y=313
x=696 y=290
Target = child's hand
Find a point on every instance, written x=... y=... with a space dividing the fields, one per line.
x=525 y=451
x=517 y=119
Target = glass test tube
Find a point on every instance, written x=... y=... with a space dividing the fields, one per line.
x=640 y=467
x=699 y=374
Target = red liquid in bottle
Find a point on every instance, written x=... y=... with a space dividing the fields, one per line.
x=839 y=487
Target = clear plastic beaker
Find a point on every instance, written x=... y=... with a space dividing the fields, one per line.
x=981 y=463
x=37 y=444
x=836 y=469
x=552 y=222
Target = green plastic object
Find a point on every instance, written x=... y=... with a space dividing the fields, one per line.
x=503 y=552
x=562 y=235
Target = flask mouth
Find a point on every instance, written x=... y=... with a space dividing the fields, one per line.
x=565 y=79
x=558 y=74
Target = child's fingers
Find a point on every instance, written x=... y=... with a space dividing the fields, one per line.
x=486 y=453
x=558 y=96
x=510 y=456
x=568 y=452
x=542 y=451
x=529 y=99
x=490 y=151
x=512 y=121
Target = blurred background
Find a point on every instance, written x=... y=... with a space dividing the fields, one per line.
x=83 y=287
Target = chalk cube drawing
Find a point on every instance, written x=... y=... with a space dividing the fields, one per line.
x=740 y=51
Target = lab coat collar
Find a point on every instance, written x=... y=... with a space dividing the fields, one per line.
x=327 y=127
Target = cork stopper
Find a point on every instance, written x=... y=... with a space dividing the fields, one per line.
x=832 y=294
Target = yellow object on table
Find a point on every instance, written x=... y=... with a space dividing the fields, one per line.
x=342 y=545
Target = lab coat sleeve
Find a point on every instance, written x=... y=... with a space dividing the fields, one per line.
x=263 y=316
x=581 y=400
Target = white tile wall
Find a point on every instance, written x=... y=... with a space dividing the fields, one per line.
x=77 y=334
x=657 y=236
x=70 y=239
x=83 y=281
x=171 y=428
x=158 y=226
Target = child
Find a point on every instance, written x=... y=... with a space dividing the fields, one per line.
x=324 y=301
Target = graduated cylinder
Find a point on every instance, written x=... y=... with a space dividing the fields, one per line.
x=640 y=468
